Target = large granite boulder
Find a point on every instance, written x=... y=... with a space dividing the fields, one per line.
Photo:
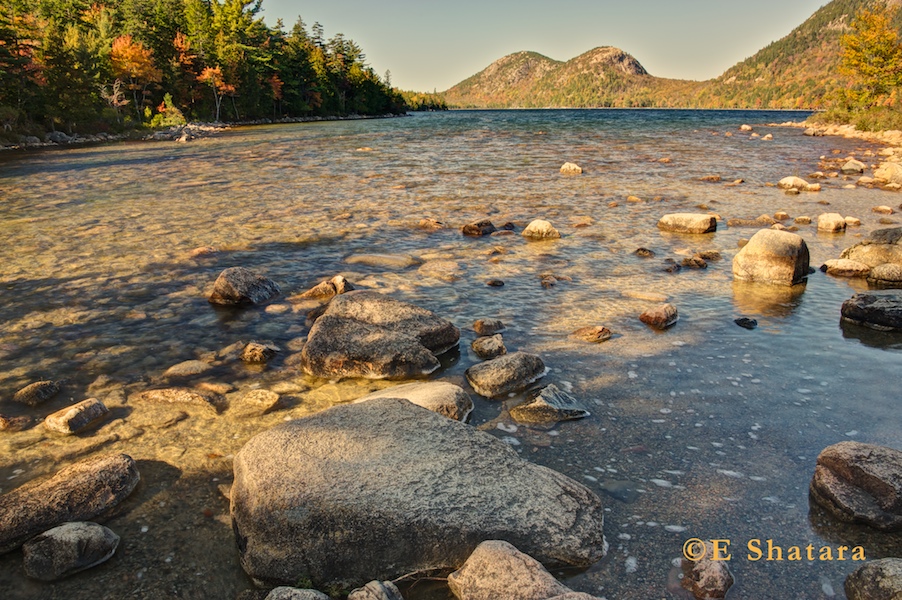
x=385 y=488
x=860 y=483
x=882 y=246
x=440 y=397
x=774 y=257
x=68 y=549
x=79 y=492
x=876 y=580
x=878 y=311
x=506 y=374
x=238 y=286
x=367 y=334
x=688 y=223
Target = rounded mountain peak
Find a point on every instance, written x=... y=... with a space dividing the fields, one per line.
x=611 y=57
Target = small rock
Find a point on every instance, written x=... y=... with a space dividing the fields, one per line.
x=883 y=210
x=478 y=228
x=488 y=347
x=853 y=166
x=77 y=417
x=290 y=593
x=671 y=266
x=547 y=406
x=327 y=289
x=710 y=178
x=258 y=402
x=189 y=368
x=37 y=393
x=632 y=200
x=569 y=168
x=803 y=220
x=660 y=317
x=707 y=579
x=688 y=223
x=644 y=253
x=238 y=286
x=694 y=262
x=383 y=261
x=781 y=216
x=541 y=230
x=746 y=323
x=798 y=184
x=710 y=255
x=14 y=424
x=595 y=335
x=845 y=268
x=431 y=224
x=876 y=580
x=852 y=222
x=505 y=374
x=68 y=549
x=494 y=283
x=881 y=312
x=440 y=397
x=488 y=326
x=745 y=128
x=202 y=251
x=376 y=590
x=831 y=222
x=768 y=137
x=176 y=395
x=259 y=352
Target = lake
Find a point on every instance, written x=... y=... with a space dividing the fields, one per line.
x=705 y=430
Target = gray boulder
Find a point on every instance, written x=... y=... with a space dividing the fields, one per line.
x=876 y=580
x=882 y=246
x=548 y=406
x=860 y=483
x=77 y=417
x=377 y=590
x=290 y=593
x=506 y=374
x=773 y=257
x=37 y=393
x=238 y=286
x=68 y=549
x=438 y=396
x=80 y=492
x=385 y=488
x=877 y=311
x=688 y=223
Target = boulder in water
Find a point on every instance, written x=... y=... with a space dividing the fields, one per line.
x=238 y=286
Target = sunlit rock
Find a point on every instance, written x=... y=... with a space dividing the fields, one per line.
x=37 y=393
x=238 y=286
x=775 y=257
x=505 y=374
x=540 y=229
x=876 y=580
x=77 y=417
x=831 y=223
x=489 y=346
x=548 y=406
x=440 y=397
x=660 y=317
x=688 y=223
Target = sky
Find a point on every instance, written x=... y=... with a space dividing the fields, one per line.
x=430 y=45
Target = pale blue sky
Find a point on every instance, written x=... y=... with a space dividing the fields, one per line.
x=433 y=45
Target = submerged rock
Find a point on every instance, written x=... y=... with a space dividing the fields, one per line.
x=594 y=335
x=478 y=228
x=384 y=261
x=876 y=580
x=488 y=326
x=330 y=287
x=688 y=223
x=179 y=395
x=188 y=368
x=774 y=257
x=707 y=579
x=238 y=286
x=259 y=352
x=68 y=549
x=489 y=346
x=384 y=488
x=660 y=317
x=79 y=492
x=746 y=323
x=541 y=230
x=505 y=374
x=440 y=397
x=13 y=424
x=860 y=483
x=877 y=311
x=37 y=393
x=77 y=417
x=548 y=406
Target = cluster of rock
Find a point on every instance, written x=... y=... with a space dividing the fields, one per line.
x=879 y=258
x=58 y=138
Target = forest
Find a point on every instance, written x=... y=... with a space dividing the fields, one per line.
x=113 y=65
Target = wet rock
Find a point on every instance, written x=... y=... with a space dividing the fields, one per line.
x=798 y=184
x=487 y=347
x=853 y=166
x=831 y=223
x=12 y=424
x=37 y=393
x=77 y=417
x=370 y=335
x=877 y=311
x=479 y=228
x=569 y=168
x=383 y=261
x=488 y=326
x=238 y=286
x=688 y=223
x=887 y=275
x=775 y=257
x=803 y=220
x=781 y=216
x=660 y=317
x=498 y=571
x=259 y=352
x=883 y=210
x=79 y=492
x=710 y=178
x=852 y=222
x=189 y=368
x=377 y=590
x=671 y=266
x=876 y=580
x=257 y=402
x=707 y=579
x=548 y=406
x=694 y=262
x=889 y=172
x=860 y=483
x=594 y=335
x=68 y=549
x=505 y=374
x=644 y=253
x=327 y=289
x=202 y=252
x=290 y=593
x=431 y=224
x=882 y=246
x=845 y=268
x=745 y=127
x=710 y=255
x=440 y=397
x=540 y=229
x=178 y=395
x=384 y=488
x=494 y=283
x=746 y=323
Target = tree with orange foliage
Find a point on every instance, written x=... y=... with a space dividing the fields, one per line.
x=133 y=62
x=213 y=77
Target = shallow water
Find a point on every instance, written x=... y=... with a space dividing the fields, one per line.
x=100 y=290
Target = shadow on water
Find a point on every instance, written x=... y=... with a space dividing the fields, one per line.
x=767 y=300
x=872 y=338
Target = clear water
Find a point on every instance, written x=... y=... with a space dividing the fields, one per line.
x=99 y=289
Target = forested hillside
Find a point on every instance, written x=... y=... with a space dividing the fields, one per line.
x=99 y=65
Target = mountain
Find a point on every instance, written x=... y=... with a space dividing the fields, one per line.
x=797 y=71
